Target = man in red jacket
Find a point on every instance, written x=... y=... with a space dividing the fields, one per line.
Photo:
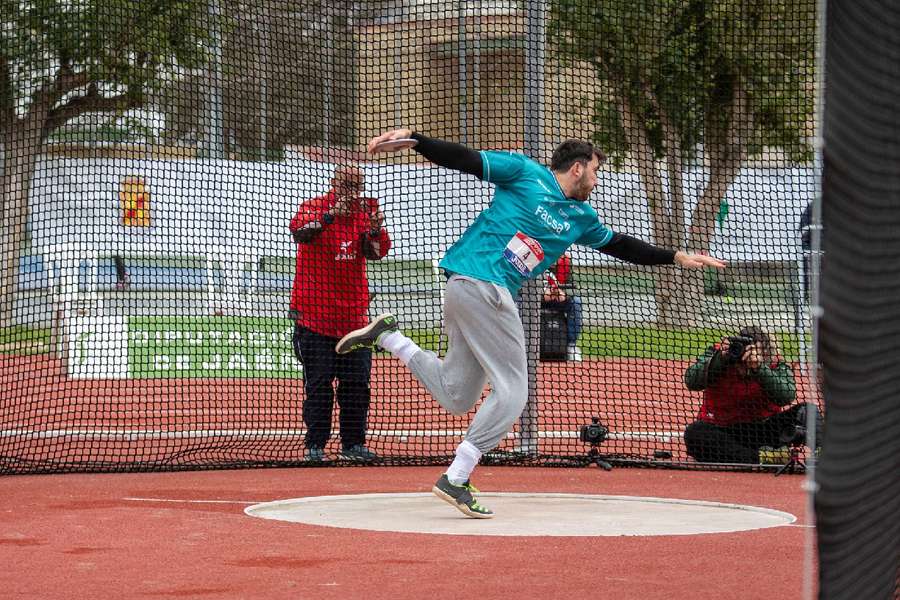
x=335 y=234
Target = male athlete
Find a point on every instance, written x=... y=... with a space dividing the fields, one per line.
x=536 y=214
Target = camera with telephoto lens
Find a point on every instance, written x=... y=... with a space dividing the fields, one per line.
x=793 y=435
x=736 y=347
x=594 y=433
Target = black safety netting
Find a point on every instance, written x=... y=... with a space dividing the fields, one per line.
x=162 y=161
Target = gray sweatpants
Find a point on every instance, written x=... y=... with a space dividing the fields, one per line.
x=486 y=343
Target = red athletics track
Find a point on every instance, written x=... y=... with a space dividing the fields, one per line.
x=630 y=395
x=79 y=536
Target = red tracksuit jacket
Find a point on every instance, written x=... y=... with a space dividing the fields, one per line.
x=331 y=292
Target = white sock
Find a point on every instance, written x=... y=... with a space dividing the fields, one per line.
x=467 y=456
x=399 y=345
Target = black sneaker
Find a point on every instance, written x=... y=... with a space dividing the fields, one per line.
x=359 y=453
x=461 y=498
x=315 y=455
x=366 y=336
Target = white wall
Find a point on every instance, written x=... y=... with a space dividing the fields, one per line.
x=246 y=207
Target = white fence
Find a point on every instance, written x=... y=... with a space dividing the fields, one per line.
x=227 y=215
x=247 y=206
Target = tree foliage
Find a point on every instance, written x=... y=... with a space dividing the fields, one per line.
x=68 y=58
x=60 y=59
x=729 y=77
x=683 y=58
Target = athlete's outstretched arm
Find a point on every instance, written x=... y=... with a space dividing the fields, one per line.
x=446 y=154
x=624 y=247
x=633 y=250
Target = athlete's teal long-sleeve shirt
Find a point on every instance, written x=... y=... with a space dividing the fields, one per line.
x=527 y=227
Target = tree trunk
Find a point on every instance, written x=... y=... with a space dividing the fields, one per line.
x=22 y=147
x=675 y=169
x=680 y=307
x=642 y=150
x=726 y=148
x=661 y=214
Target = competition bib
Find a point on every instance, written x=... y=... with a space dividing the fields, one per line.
x=523 y=253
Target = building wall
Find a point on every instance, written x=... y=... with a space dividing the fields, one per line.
x=409 y=76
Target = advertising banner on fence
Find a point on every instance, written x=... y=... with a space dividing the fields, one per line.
x=97 y=347
x=150 y=347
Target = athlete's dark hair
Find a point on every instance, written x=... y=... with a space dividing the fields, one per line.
x=572 y=151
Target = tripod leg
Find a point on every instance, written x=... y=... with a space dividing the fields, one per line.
x=595 y=457
x=787 y=467
x=790 y=466
x=603 y=464
x=792 y=463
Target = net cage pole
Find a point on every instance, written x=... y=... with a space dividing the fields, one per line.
x=535 y=28
x=214 y=131
x=857 y=497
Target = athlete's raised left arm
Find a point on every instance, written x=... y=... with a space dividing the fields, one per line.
x=443 y=153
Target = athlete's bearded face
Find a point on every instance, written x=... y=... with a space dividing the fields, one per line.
x=587 y=180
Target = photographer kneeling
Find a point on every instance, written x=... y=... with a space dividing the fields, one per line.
x=746 y=386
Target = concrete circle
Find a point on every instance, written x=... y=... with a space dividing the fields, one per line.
x=524 y=514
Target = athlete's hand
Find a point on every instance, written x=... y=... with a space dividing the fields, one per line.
x=698 y=261
x=376 y=219
x=384 y=137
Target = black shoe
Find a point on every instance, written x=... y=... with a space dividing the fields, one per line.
x=315 y=455
x=366 y=336
x=461 y=498
x=359 y=453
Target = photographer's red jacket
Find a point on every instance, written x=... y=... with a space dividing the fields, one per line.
x=331 y=292
x=731 y=396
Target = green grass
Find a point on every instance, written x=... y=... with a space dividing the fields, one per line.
x=639 y=342
x=676 y=344
x=601 y=281
x=105 y=132
x=24 y=340
x=397 y=272
x=776 y=287
x=602 y=342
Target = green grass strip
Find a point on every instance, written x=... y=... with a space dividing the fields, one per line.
x=602 y=342
x=24 y=340
x=639 y=342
